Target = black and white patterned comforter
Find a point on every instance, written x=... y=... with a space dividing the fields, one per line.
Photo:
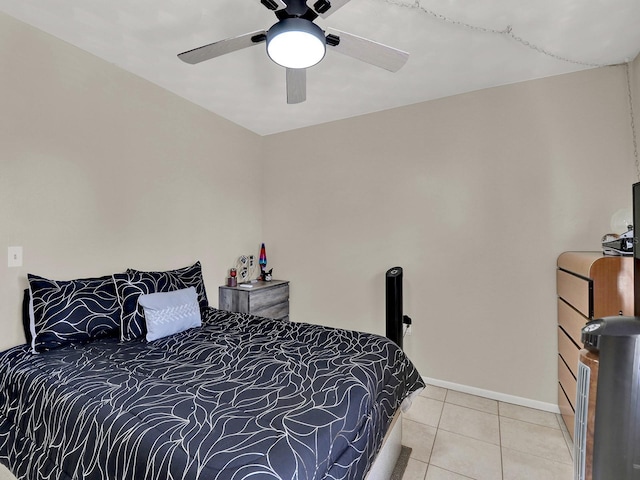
x=240 y=398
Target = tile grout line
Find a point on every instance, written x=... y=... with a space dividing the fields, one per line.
x=437 y=430
x=435 y=437
x=500 y=440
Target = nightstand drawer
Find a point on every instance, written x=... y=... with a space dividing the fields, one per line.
x=262 y=299
x=280 y=310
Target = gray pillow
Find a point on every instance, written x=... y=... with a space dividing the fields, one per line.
x=166 y=313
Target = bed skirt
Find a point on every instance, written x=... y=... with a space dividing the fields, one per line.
x=6 y=474
x=387 y=457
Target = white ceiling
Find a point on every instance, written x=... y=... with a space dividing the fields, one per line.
x=452 y=49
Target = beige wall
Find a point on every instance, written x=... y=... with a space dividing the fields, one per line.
x=100 y=171
x=635 y=91
x=475 y=196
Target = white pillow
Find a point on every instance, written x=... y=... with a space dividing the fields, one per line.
x=167 y=313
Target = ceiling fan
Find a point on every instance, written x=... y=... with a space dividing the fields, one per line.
x=296 y=43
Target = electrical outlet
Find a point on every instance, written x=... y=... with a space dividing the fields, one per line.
x=14 y=256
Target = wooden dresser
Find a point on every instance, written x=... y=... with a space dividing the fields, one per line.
x=265 y=299
x=589 y=285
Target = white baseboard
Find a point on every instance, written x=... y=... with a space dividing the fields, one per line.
x=501 y=397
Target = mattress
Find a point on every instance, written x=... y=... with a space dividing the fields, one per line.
x=241 y=397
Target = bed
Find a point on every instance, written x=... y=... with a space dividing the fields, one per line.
x=237 y=397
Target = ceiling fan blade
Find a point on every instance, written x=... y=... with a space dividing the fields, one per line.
x=223 y=47
x=296 y=85
x=324 y=8
x=274 y=4
x=367 y=51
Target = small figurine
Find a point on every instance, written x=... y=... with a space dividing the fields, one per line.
x=267 y=276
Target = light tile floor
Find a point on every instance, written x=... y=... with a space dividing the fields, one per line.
x=457 y=436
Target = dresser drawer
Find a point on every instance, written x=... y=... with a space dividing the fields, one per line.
x=571 y=321
x=262 y=299
x=568 y=381
x=569 y=352
x=576 y=291
x=567 y=412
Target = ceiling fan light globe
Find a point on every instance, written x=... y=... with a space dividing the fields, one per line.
x=296 y=43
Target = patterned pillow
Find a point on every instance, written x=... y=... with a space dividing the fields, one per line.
x=62 y=312
x=167 y=313
x=185 y=277
x=133 y=283
x=26 y=315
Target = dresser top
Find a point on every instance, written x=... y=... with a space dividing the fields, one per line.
x=260 y=284
x=582 y=263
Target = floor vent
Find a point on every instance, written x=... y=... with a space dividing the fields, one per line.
x=580 y=429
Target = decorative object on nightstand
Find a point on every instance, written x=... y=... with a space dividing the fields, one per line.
x=265 y=299
x=232 y=280
x=246 y=268
x=262 y=260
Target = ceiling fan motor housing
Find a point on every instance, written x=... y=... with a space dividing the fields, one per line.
x=296 y=43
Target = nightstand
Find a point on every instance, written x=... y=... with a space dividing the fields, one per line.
x=265 y=299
